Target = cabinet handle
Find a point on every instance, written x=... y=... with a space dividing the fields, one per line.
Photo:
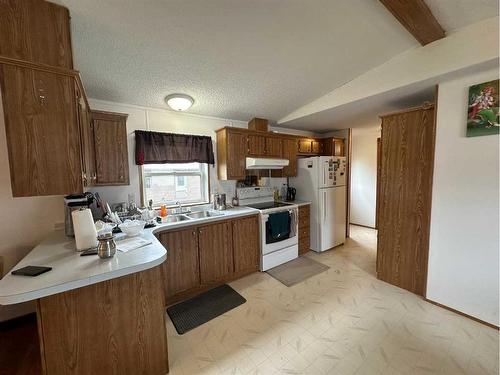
x=194 y=233
x=94 y=177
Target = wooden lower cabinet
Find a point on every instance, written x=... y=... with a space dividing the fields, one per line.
x=304 y=229
x=202 y=257
x=246 y=245
x=181 y=270
x=112 y=327
x=215 y=252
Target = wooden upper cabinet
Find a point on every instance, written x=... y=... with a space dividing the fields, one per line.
x=110 y=145
x=256 y=145
x=42 y=132
x=305 y=146
x=231 y=153
x=216 y=252
x=36 y=31
x=181 y=270
x=274 y=147
x=333 y=146
x=290 y=153
x=316 y=147
x=246 y=244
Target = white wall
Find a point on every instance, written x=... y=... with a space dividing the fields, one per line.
x=464 y=240
x=364 y=175
x=155 y=119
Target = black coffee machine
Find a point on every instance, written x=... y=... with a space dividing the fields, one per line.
x=290 y=193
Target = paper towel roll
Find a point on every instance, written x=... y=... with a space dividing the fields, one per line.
x=84 y=228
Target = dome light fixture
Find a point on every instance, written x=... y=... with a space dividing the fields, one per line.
x=179 y=102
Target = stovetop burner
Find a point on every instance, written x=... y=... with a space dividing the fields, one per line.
x=266 y=205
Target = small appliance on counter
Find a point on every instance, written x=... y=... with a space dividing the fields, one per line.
x=290 y=194
x=75 y=202
x=219 y=201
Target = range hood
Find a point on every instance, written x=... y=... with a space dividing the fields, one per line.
x=266 y=163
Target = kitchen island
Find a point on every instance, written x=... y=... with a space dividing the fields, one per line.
x=101 y=316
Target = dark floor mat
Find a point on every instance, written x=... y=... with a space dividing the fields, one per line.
x=200 y=309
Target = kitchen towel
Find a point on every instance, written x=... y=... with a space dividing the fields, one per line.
x=84 y=228
x=278 y=225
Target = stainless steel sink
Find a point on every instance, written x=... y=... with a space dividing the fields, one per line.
x=175 y=218
x=203 y=214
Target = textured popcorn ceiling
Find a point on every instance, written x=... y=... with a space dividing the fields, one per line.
x=237 y=58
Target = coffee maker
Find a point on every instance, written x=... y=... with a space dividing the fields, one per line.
x=290 y=194
x=75 y=202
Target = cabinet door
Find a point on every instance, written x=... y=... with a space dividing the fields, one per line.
x=181 y=270
x=236 y=154
x=256 y=145
x=290 y=153
x=274 y=147
x=36 y=31
x=216 y=253
x=246 y=245
x=316 y=147
x=110 y=144
x=42 y=132
x=305 y=146
x=87 y=141
x=338 y=147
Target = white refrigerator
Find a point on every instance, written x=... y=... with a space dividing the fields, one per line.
x=322 y=181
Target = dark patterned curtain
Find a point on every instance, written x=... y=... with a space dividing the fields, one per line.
x=161 y=148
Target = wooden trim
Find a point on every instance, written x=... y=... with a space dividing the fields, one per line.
x=417 y=18
x=425 y=105
x=37 y=66
x=461 y=313
x=364 y=226
x=435 y=105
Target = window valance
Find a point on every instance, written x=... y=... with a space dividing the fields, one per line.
x=161 y=148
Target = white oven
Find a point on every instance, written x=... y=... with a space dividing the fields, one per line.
x=278 y=226
x=283 y=248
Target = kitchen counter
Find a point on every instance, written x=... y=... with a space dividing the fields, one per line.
x=71 y=271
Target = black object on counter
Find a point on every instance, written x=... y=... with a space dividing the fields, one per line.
x=92 y=251
x=31 y=270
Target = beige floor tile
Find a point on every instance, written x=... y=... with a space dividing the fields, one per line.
x=343 y=321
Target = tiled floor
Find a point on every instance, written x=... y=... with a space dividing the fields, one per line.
x=343 y=321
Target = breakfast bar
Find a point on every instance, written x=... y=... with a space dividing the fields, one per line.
x=95 y=316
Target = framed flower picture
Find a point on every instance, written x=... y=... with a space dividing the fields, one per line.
x=482 y=115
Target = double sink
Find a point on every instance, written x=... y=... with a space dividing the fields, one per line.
x=192 y=215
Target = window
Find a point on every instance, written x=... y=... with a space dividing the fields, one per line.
x=170 y=183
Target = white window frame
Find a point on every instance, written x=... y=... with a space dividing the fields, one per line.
x=205 y=186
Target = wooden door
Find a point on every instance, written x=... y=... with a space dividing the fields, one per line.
x=36 y=31
x=181 y=270
x=274 y=147
x=236 y=155
x=405 y=198
x=256 y=145
x=110 y=144
x=216 y=252
x=87 y=139
x=42 y=132
x=246 y=246
x=305 y=146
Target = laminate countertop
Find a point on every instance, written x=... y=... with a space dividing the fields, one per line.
x=71 y=271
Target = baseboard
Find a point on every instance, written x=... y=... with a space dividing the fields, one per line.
x=364 y=226
x=461 y=313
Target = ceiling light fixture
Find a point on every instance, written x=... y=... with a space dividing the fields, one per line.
x=179 y=102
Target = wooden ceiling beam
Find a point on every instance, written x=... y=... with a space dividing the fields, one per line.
x=417 y=18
